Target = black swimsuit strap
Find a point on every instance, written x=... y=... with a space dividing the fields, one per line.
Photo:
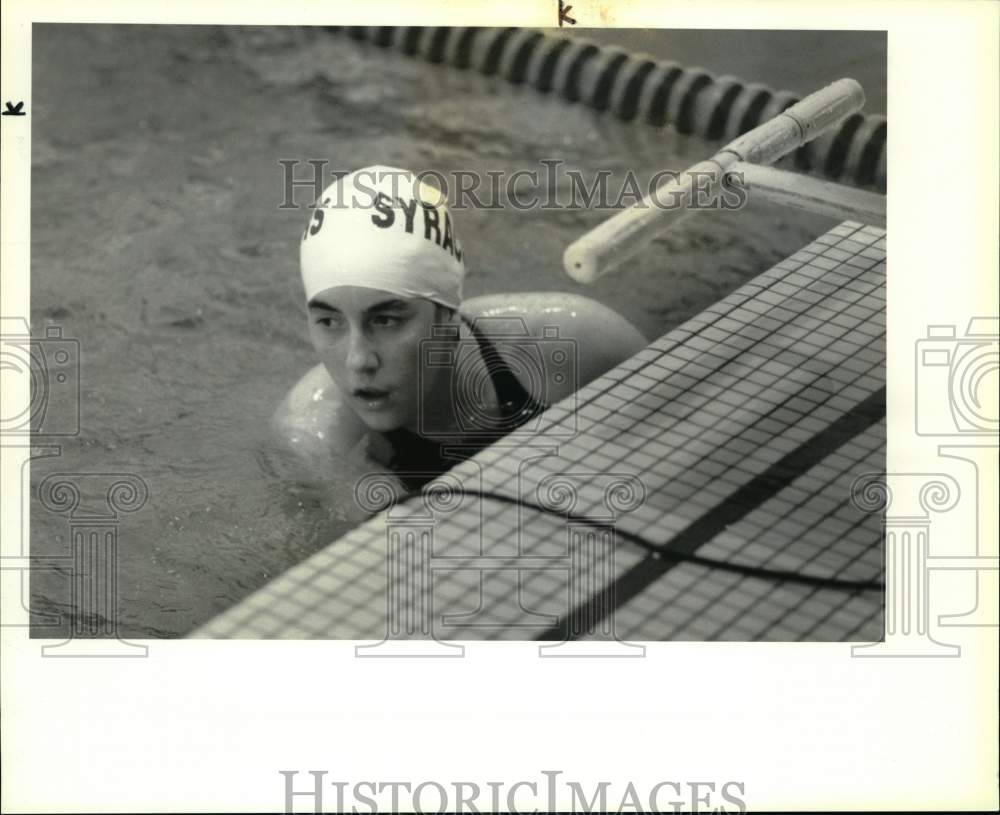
x=417 y=459
x=516 y=404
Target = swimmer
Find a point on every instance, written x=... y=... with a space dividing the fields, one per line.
x=411 y=377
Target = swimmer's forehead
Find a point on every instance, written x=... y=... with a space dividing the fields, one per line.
x=357 y=298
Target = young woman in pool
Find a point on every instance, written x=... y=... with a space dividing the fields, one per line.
x=412 y=378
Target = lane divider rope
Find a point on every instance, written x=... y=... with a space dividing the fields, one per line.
x=639 y=88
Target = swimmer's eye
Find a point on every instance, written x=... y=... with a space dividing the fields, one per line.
x=328 y=322
x=386 y=320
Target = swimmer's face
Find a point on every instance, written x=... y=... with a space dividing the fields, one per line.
x=369 y=342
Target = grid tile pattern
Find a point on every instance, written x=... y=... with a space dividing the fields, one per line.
x=734 y=437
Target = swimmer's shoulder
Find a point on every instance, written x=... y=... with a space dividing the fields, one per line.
x=314 y=420
x=572 y=314
x=601 y=337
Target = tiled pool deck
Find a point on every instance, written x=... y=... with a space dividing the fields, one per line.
x=699 y=491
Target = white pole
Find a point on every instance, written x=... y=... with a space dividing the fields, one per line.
x=622 y=236
x=811 y=194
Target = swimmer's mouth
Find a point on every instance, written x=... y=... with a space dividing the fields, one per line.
x=372 y=397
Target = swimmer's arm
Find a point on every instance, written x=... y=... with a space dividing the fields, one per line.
x=315 y=424
x=330 y=446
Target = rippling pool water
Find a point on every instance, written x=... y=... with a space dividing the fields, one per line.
x=158 y=243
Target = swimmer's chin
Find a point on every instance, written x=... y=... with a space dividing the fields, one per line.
x=382 y=425
x=381 y=421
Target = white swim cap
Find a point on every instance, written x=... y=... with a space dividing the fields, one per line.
x=382 y=228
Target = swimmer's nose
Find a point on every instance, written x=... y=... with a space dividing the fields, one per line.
x=361 y=354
